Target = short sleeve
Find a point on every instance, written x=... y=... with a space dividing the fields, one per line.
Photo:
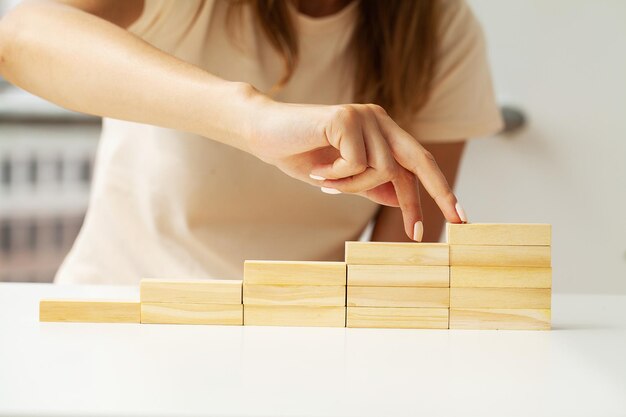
x=153 y=14
x=461 y=103
x=168 y=23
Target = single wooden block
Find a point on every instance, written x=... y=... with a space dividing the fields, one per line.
x=500 y=276
x=398 y=297
x=305 y=316
x=311 y=295
x=477 y=255
x=392 y=253
x=399 y=276
x=210 y=291
x=179 y=313
x=294 y=273
x=500 y=319
x=397 y=317
x=500 y=297
x=499 y=234
x=89 y=311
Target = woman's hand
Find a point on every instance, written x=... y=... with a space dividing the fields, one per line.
x=354 y=148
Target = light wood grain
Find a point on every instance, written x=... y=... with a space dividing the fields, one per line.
x=487 y=255
x=179 y=313
x=391 y=253
x=398 y=276
x=304 y=316
x=398 y=297
x=499 y=234
x=312 y=295
x=294 y=273
x=397 y=318
x=216 y=291
x=500 y=276
x=89 y=311
x=500 y=298
x=500 y=319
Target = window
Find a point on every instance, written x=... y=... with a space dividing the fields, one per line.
x=6 y=237
x=32 y=170
x=6 y=172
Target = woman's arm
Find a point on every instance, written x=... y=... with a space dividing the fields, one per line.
x=77 y=54
x=71 y=55
x=388 y=224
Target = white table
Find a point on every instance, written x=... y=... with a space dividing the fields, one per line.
x=67 y=369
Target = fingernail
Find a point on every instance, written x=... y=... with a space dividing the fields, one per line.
x=461 y=212
x=330 y=191
x=418 y=231
x=316 y=177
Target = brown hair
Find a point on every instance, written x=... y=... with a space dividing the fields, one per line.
x=394 y=46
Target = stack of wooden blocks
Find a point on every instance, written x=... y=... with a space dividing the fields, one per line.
x=289 y=293
x=401 y=285
x=191 y=302
x=500 y=276
x=488 y=276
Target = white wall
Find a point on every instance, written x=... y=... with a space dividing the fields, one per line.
x=564 y=63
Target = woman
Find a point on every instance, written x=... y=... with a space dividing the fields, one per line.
x=204 y=99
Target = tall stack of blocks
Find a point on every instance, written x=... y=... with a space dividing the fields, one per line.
x=500 y=276
x=488 y=276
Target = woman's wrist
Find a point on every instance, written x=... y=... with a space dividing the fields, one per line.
x=228 y=112
x=251 y=107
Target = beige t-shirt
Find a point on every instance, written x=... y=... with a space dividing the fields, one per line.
x=175 y=205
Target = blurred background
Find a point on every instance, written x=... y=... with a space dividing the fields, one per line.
x=46 y=156
x=560 y=64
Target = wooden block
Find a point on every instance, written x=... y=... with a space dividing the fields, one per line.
x=89 y=311
x=500 y=319
x=397 y=318
x=500 y=276
x=398 y=297
x=294 y=273
x=499 y=234
x=215 y=291
x=500 y=297
x=179 y=313
x=305 y=316
x=311 y=295
x=399 y=276
x=476 y=255
x=391 y=253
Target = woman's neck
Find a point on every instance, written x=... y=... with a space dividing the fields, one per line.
x=320 y=8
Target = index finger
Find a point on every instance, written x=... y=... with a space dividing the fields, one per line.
x=409 y=200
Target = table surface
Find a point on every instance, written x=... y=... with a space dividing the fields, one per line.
x=577 y=369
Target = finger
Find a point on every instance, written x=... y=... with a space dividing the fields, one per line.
x=412 y=156
x=367 y=180
x=364 y=181
x=437 y=186
x=339 y=168
x=409 y=200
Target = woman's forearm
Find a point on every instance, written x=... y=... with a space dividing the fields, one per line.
x=87 y=64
